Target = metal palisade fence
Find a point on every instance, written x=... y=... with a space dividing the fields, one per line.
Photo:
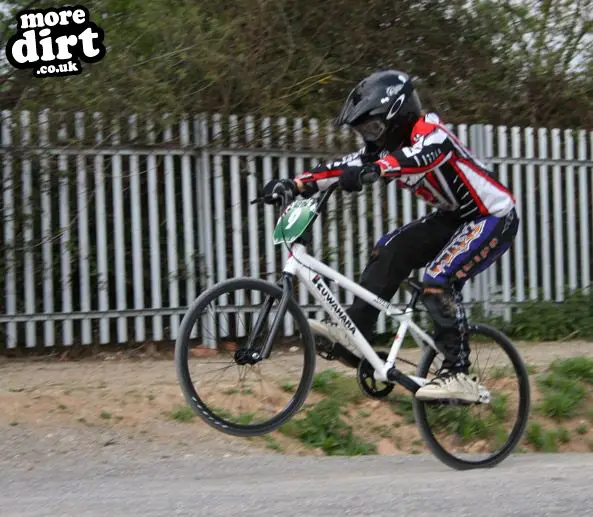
x=110 y=228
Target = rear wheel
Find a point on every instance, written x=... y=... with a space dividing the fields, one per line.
x=478 y=435
x=217 y=354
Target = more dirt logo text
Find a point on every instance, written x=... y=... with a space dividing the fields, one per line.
x=53 y=41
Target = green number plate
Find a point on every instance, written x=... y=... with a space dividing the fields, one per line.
x=295 y=220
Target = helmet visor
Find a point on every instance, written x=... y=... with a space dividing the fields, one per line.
x=371 y=129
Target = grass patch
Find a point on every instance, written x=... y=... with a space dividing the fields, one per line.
x=565 y=388
x=563 y=435
x=460 y=421
x=105 y=415
x=181 y=414
x=245 y=418
x=14 y=423
x=576 y=368
x=272 y=444
x=288 y=387
x=323 y=428
x=582 y=429
x=500 y=372
x=336 y=385
x=540 y=320
x=542 y=440
x=382 y=430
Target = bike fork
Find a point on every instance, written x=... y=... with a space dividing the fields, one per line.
x=286 y=285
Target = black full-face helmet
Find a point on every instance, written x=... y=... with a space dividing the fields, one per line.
x=382 y=108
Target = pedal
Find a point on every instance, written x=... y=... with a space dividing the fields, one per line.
x=484 y=395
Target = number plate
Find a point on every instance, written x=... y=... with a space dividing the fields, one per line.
x=295 y=220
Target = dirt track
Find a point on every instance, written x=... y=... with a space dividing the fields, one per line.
x=132 y=399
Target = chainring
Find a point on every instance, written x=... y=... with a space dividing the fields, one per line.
x=367 y=382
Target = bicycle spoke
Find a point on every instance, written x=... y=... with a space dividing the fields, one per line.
x=251 y=395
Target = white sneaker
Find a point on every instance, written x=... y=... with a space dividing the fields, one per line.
x=334 y=334
x=451 y=386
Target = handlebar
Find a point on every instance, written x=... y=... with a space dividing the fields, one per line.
x=366 y=179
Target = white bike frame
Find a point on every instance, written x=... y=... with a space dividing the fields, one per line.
x=311 y=272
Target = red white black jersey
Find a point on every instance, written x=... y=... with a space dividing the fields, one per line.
x=438 y=168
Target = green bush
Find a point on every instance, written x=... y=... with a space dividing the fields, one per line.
x=540 y=320
x=335 y=384
x=541 y=439
x=565 y=387
x=562 y=396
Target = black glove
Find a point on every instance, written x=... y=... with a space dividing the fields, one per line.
x=278 y=186
x=352 y=177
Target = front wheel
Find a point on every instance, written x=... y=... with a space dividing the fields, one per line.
x=478 y=435
x=218 y=355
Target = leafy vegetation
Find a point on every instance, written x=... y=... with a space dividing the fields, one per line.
x=565 y=387
x=181 y=414
x=289 y=58
x=462 y=422
x=539 y=320
x=323 y=427
x=335 y=384
x=542 y=440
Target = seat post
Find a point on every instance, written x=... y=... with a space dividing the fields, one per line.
x=416 y=288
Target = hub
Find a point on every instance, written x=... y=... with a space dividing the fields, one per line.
x=247 y=356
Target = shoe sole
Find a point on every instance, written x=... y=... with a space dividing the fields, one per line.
x=446 y=397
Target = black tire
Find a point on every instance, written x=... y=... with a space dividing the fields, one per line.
x=522 y=413
x=182 y=354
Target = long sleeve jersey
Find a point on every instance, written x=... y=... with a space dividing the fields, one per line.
x=437 y=168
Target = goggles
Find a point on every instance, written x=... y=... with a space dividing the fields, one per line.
x=370 y=130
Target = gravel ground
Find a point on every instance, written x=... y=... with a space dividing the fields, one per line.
x=121 y=481
x=92 y=438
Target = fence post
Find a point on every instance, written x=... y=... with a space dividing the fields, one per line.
x=204 y=201
x=118 y=234
x=570 y=210
x=252 y=210
x=506 y=258
x=137 y=237
x=46 y=235
x=8 y=216
x=27 y=193
x=542 y=137
x=559 y=250
x=518 y=249
x=530 y=195
x=477 y=143
x=65 y=236
x=101 y=212
x=188 y=213
x=171 y=225
x=583 y=217
x=236 y=220
x=153 y=235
